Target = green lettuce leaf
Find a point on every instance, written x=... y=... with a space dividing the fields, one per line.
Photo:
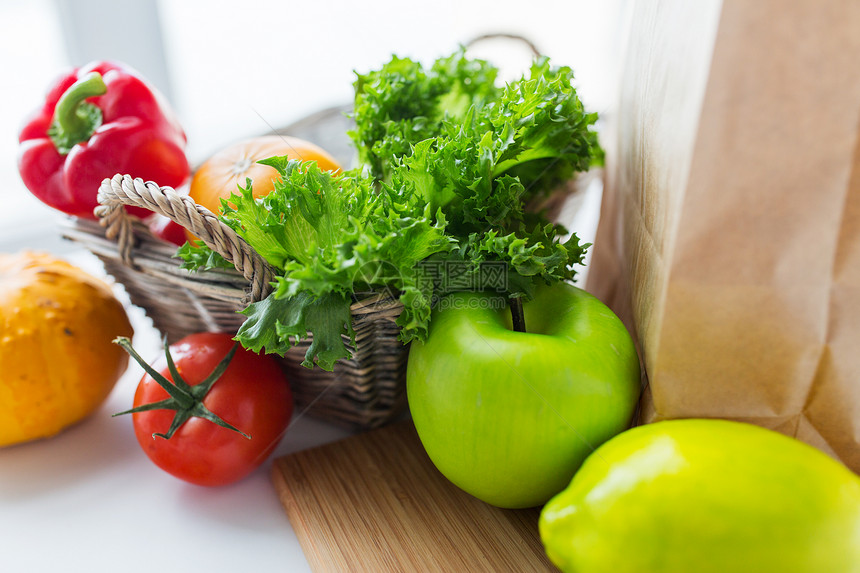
x=331 y=237
x=275 y=324
x=539 y=129
x=403 y=103
x=199 y=257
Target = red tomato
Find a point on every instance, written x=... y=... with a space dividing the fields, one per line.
x=252 y=394
x=167 y=230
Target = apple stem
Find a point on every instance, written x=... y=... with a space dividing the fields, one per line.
x=517 y=317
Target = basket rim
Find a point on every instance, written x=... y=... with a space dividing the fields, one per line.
x=151 y=255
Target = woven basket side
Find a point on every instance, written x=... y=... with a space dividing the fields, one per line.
x=177 y=301
x=369 y=389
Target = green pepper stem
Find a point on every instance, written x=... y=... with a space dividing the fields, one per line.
x=518 y=319
x=75 y=120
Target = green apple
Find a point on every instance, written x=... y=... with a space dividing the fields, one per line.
x=509 y=416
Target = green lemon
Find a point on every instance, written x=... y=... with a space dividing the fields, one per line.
x=702 y=496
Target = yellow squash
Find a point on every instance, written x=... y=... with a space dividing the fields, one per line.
x=57 y=361
x=705 y=496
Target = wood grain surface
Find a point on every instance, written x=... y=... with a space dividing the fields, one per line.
x=374 y=502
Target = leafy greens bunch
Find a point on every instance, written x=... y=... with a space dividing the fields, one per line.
x=402 y=104
x=450 y=162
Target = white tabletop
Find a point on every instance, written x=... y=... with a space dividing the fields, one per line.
x=89 y=500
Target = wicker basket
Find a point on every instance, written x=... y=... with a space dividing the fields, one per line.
x=365 y=391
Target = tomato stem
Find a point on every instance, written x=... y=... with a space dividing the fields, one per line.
x=518 y=318
x=186 y=400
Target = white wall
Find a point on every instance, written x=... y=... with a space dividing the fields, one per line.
x=237 y=68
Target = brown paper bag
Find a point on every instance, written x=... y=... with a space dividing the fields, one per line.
x=729 y=238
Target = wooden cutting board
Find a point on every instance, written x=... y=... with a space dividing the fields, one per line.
x=375 y=502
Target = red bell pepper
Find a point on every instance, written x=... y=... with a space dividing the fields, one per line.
x=97 y=121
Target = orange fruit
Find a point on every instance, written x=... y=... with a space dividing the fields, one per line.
x=221 y=174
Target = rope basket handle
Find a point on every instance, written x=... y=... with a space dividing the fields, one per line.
x=506 y=36
x=123 y=190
